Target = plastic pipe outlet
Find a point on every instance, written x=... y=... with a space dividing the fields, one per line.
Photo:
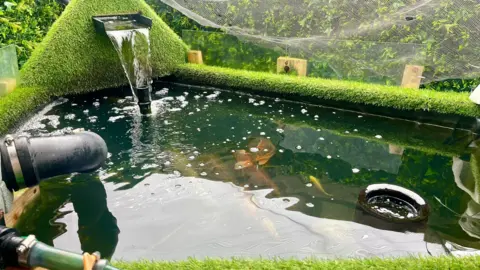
x=27 y=161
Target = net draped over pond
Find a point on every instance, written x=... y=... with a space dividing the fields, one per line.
x=219 y=174
x=360 y=40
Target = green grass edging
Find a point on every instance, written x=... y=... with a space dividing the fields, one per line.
x=19 y=104
x=471 y=262
x=448 y=103
x=73 y=58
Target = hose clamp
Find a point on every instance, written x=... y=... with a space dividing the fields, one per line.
x=23 y=250
x=12 y=154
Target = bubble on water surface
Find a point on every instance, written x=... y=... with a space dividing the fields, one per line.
x=189 y=165
x=162 y=92
x=304 y=111
x=309 y=205
x=279 y=130
x=281 y=150
x=69 y=116
x=93 y=119
x=329 y=157
x=203 y=174
x=378 y=136
x=321 y=139
x=85 y=111
x=254 y=149
x=115 y=118
x=355 y=170
x=355 y=130
x=298 y=147
x=246 y=186
x=96 y=104
x=191 y=157
x=167 y=163
x=360 y=116
x=309 y=185
x=201 y=164
x=213 y=96
x=262 y=133
x=149 y=166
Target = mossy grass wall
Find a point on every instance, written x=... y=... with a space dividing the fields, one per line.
x=316 y=89
x=73 y=58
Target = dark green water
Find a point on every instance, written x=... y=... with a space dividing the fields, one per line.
x=224 y=174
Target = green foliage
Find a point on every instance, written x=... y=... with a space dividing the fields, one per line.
x=377 y=54
x=446 y=262
x=73 y=58
x=310 y=88
x=175 y=19
x=25 y=23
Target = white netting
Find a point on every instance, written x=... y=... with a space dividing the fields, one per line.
x=356 y=37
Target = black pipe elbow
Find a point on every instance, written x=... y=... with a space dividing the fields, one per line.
x=27 y=161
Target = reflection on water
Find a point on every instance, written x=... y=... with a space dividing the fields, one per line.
x=226 y=174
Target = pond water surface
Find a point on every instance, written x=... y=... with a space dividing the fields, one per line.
x=220 y=174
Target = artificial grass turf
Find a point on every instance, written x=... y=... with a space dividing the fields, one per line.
x=73 y=58
x=309 y=89
x=471 y=262
x=19 y=104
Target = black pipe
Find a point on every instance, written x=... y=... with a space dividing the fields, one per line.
x=27 y=161
x=144 y=96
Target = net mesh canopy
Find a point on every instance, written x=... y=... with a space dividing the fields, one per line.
x=353 y=39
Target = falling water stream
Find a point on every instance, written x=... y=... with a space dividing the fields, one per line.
x=132 y=43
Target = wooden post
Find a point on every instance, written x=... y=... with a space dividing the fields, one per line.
x=395 y=149
x=19 y=203
x=7 y=85
x=287 y=64
x=195 y=57
x=412 y=76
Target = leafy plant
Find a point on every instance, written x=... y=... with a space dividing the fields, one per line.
x=370 y=56
x=25 y=22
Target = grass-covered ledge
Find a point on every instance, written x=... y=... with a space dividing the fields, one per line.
x=20 y=104
x=470 y=262
x=310 y=89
